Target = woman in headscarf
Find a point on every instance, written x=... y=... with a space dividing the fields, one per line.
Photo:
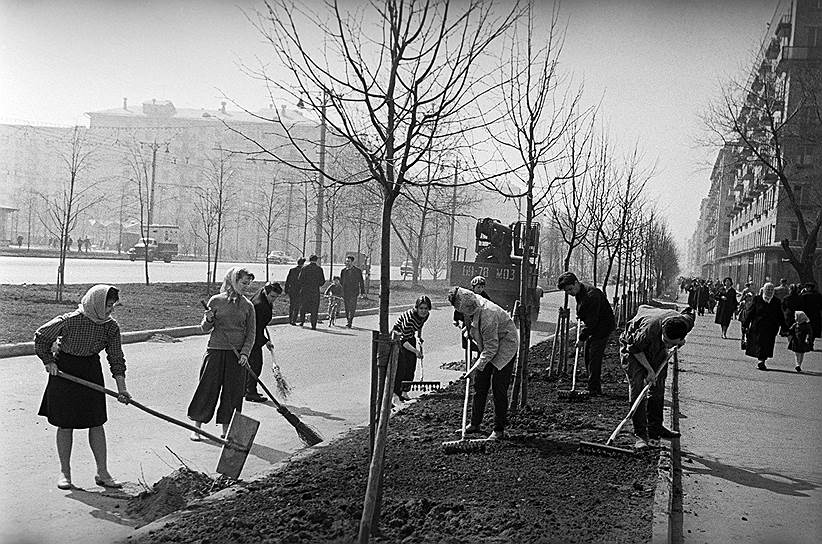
x=727 y=306
x=262 y=302
x=762 y=322
x=408 y=324
x=231 y=320
x=80 y=336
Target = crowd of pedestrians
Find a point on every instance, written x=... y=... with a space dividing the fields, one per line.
x=791 y=310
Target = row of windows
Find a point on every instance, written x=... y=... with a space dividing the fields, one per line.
x=758 y=238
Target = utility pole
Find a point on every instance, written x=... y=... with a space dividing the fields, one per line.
x=450 y=254
x=318 y=225
x=287 y=247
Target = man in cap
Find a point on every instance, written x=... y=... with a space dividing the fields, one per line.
x=643 y=352
x=597 y=316
x=311 y=279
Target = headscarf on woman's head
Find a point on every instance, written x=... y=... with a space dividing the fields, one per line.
x=231 y=282
x=767 y=287
x=801 y=317
x=463 y=300
x=93 y=303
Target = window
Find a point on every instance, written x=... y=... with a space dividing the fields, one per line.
x=815 y=36
x=793 y=232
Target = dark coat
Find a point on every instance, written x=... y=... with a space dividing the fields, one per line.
x=262 y=311
x=352 y=283
x=311 y=279
x=762 y=320
x=292 y=282
x=727 y=307
x=594 y=310
x=810 y=302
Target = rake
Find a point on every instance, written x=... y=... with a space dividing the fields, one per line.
x=574 y=394
x=608 y=448
x=307 y=435
x=421 y=385
x=465 y=445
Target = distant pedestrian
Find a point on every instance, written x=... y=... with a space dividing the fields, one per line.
x=87 y=244
x=79 y=244
x=762 y=322
x=334 y=294
x=80 y=336
x=262 y=302
x=231 y=320
x=352 y=286
x=311 y=280
x=495 y=334
x=799 y=338
x=409 y=324
x=598 y=322
x=781 y=290
x=293 y=288
x=727 y=305
x=643 y=351
x=69 y=242
x=19 y=240
x=810 y=300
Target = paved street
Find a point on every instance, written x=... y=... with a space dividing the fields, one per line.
x=328 y=370
x=750 y=442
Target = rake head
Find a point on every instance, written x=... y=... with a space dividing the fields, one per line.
x=573 y=395
x=605 y=450
x=465 y=446
x=421 y=386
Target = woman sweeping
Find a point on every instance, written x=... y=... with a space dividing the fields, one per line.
x=81 y=336
x=231 y=320
x=727 y=306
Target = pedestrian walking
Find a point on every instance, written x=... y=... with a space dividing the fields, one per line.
x=762 y=322
x=643 y=351
x=352 y=286
x=80 y=336
x=799 y=338
x=810 y=301
x=598 y=322
x=262 y=302
x=495 y=334
x=726 y=307
x=408 y=325
x=781 y=290
x=311 y=279
x=231 y=320
x=293 y=288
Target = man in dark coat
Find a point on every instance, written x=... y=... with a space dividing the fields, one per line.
x=311 y=280
x=810 y=301
x=597 y=316
x=762 y=322
x=293 y=289
x=352 y=286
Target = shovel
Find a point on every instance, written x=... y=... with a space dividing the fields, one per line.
x=236 y=444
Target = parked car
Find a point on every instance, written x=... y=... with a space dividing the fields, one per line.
x=162 y=250
x=406 y=268
x=280 y=257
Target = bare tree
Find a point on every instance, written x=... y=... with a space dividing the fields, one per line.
x=267 y=217
x=778 y=128
x=219 y=192
x=203 y=227
x=393 y=78
x=74 y=197
x=143 y=169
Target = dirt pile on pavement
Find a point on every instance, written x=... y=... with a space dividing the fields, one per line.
x=173 y=492
x=533 y=487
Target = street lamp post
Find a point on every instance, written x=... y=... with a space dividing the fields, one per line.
x=318 y=226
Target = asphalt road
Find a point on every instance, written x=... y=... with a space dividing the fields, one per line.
x=327 y=368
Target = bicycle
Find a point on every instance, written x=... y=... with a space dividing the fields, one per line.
x=333 y=308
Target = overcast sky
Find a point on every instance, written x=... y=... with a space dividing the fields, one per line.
x=654 y=63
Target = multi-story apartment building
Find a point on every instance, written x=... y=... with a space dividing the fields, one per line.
x=775 y=141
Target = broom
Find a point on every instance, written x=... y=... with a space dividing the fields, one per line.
x=464 y=445
x=608 y=448
x=308 y=436
x=574 y=394
x=283 y=387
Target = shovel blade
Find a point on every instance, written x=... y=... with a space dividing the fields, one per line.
x=240 y=437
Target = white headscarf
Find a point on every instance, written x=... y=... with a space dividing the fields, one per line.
x=767 y=287
x=231 y=282
x=801 y=317
x=93 y=304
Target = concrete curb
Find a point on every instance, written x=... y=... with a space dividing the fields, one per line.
x=664 y=494
x=27 y=348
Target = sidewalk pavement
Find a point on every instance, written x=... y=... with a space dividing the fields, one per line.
x=750 y=443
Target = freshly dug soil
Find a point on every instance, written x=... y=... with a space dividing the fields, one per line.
x=533 y=487
x=155 y=306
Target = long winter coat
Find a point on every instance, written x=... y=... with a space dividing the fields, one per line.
x=763 y=320
x=727 y=306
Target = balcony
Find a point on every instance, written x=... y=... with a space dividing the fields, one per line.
x=783 y=28
x=773 y=50
x=793 y=53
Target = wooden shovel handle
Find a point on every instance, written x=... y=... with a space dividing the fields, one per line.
x=146 y=409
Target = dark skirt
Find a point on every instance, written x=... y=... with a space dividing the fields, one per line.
x=69 y=405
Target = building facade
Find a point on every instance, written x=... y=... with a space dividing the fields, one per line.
x=774 y=146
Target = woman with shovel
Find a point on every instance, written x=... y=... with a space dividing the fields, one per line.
x=231 y=320
x=80 y=336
